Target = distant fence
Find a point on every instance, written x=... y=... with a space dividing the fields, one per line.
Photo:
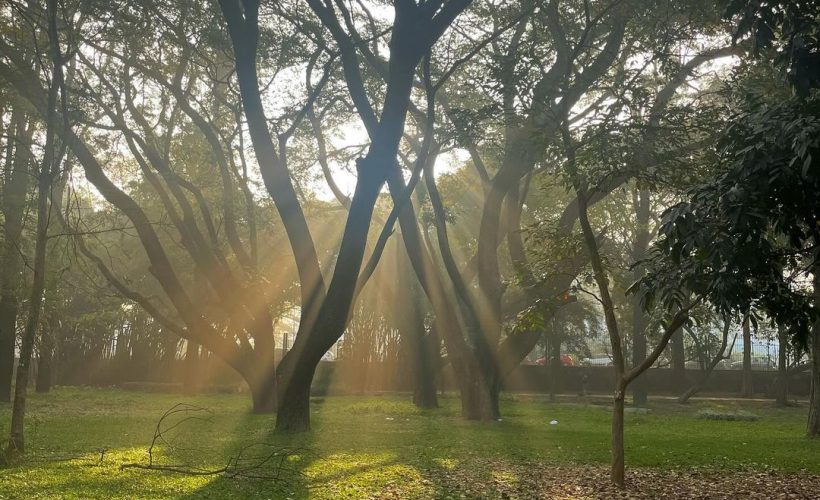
x=332 y=377
x=340 y=377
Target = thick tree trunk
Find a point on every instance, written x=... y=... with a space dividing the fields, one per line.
x=782 y=382
x=480 y=396
x=293 y=413
x=263 y=394
x=747 y=389
x=295 y=371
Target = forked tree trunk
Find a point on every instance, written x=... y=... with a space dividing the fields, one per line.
x=720 y=356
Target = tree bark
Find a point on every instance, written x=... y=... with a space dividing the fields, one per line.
x=678 y=360
x=747 y=389
x=191 y=369
x=15 y=189
x=617 y=471
x=555 y=366
x=45 y=372
x=424 y=390
x=813 y=423
x=410 y=313
x=782 y=383
x=48 y=170
x=639 y=319
x=263 y=394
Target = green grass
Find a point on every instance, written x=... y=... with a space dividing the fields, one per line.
x=360 y=446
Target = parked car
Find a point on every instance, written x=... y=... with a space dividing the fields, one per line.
x=597 y=361
x=566 y=360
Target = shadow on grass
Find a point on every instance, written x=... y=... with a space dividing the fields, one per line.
x=359 y=448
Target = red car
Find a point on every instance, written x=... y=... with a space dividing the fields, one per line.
x=566 y=360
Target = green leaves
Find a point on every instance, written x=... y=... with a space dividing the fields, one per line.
x=748 y=238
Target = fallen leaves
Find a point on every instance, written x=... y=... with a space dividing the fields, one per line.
x=493 y=479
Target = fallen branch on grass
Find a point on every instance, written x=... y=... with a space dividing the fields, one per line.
x=262 y=461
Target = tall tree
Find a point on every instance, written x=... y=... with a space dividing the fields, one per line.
x=16 y=180
x=53 y=153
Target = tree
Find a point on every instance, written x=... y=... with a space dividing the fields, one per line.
x=16 y=181
x=415 y=29
x=53 y=154
x=622 y=377
x=747 y=387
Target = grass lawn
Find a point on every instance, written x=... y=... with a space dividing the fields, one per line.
x=380 y=446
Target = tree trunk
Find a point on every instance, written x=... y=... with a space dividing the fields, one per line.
x=555 y=366
x=747 y=389
x=720 y=356
x=639 y=320
x=422 y=348
x=293 y=413
x=617 y=472
x=51 y=160
x=263 y=394
x=782 y=384
x=45 y=373
x=678 y=360
x=424 y=389
x=16 y=445
x=813 y=424
x=639 y=386
x=480 y=395
x=8 y=323
x=191 y=370
x=14 y=203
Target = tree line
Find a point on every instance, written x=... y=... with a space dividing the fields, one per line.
x=514 y=166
